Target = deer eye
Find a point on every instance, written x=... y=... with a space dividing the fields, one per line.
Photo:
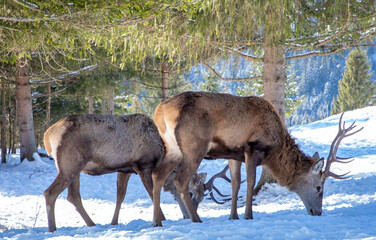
x=318 y=188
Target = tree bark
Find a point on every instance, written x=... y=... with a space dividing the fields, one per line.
x=3 y=123
x=275 y=77
x=14 y=134
x=25 y=111
x=111 y=100
x=48 y=107
x=12 y=112
x=10 y=122
x=164 y=81
x=91 y=102
x=274 y=81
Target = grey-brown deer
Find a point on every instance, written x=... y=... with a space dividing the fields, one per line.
x=197 y=125
x=100 y=144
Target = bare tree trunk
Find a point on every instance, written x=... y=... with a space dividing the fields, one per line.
x=25 y=111
x=14 y=135
x=48 y=108
x=111 y=100
x=10 y=143
x=3 y=123
x=164 y=81
x=274 y=80
x=104 y=101
x=12 y=125
x=275 y=77
x=91 y=102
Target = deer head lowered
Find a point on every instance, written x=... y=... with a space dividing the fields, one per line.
x=197 y=125
x=312 y=197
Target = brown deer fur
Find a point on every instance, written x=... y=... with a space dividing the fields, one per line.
x=197 y=125
x=100 y=144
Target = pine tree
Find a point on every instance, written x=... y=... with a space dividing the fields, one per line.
x=355 y=88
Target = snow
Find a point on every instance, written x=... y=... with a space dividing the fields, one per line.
x=349 y=206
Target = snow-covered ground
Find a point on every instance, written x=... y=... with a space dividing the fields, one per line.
x=349 y=207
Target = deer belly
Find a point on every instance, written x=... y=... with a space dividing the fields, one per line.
x=220 y=150
x=99 y=168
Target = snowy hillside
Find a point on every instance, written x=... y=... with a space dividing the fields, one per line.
x=349 y=207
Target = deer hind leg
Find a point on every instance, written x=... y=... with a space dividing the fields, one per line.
x=193 y=141
x=235 y=184
x=51 y=193
x=181 y=182
x=146 y=179
x=159 y=176
x=74 y=197
x=122 y=184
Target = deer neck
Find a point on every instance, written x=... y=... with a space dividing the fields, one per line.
x=287 y=162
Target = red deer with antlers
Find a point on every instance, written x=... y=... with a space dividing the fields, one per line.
x=100 y=144
x=197 y=125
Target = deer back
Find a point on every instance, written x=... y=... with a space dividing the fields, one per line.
x=223 y=123
x=106 y=142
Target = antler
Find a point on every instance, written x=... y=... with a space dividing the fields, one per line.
x=210 y=186
x=332 y=157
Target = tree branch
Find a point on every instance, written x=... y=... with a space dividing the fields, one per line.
x=14 y=19
x=325 y=53
x=64 y=76
x=341 y=30
x=230 y=79
x=28 y=5
x=248 y=57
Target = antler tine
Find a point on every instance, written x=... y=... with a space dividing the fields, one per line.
x=343 y=132
x=219 y=193
x=336 y=138
x=341 y=176
x=344 y=160
x=216 y=201
x=209 y=184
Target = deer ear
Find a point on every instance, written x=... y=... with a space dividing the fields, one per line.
x=317 y=166
x=203 y=176
x=316 y=156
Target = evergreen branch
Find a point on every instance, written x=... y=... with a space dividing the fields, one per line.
x=333 y=50
x=341 y=30
x=144 y=84
x=248 y=57
x=51 y=94
x=231 y=79
x=125 y=22
x=316 y=42
x=64 y=76
x=28 y=5
x=315 y=53
x=15 y=19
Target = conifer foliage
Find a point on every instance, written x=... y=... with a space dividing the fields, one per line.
x=356 y=89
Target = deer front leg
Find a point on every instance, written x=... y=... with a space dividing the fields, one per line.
x=159 y=176
x=50 y=194
x=181 y=205
x=252 y=158
x=74 y=197
x=122 y=184
x=146 y=179
x=235 y=184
